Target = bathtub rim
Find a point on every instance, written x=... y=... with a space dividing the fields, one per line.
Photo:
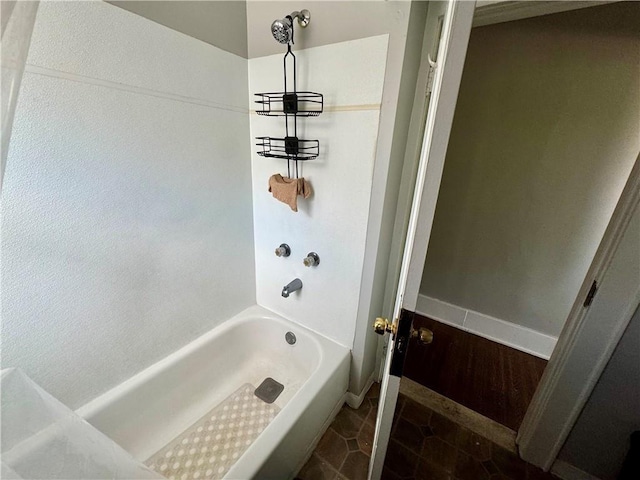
x=331 y=355
x=255 y=312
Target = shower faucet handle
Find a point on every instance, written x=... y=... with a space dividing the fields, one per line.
x=311 y=260
x=283 y=250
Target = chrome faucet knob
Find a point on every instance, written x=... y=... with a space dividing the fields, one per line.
x=283 y=250
x=311 y=260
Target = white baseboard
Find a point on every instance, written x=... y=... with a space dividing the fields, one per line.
x=353 y=400
x=566 y=471
x=506 y=333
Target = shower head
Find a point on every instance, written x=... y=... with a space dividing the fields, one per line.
x=282 y=29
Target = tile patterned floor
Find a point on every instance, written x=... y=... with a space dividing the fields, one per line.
x=345 y=449
x=424 y=445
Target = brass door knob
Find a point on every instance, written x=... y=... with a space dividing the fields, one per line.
x=382 y=326
x=424 y=335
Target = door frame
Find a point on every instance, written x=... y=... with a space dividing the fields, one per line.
x=447 y=77
x=487 y=12
x=498 y=11
x=575 y=366
x=557 y=402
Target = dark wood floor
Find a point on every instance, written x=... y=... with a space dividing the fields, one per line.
x=494 y=380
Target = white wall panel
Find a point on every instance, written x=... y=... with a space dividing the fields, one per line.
x=127 y=224
x=333 y=222
x=100 y=41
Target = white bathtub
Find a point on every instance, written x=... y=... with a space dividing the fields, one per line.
x=147 y=411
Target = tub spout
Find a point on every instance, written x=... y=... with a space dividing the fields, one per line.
x=295 y=284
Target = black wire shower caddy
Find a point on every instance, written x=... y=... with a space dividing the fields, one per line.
x=290 y=105
x=279 y=104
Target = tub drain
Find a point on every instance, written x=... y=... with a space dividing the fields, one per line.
x=290 y=338
x=269 y=390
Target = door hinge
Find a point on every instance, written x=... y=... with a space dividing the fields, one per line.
x=592 y=293
x=431 y=75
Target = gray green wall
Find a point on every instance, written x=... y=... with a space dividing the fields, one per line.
x=544 y=137
x=331 y=22
x=223 y=24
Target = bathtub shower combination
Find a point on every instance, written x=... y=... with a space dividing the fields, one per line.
x=248 y=399
x=212 y=409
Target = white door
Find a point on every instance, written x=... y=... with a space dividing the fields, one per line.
x=450 y=62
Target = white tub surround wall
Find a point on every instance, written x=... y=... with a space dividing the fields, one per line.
x=332 y=22
x=18 y=19
x=126 y=212
x=42 y=438
x=333 y=222
x=148 y=411
x=501 y=331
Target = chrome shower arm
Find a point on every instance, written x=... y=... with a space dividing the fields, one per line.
x=303 y=16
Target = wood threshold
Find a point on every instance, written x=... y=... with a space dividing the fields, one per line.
x=477 y=423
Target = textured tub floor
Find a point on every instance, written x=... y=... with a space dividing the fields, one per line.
x=208 y=448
